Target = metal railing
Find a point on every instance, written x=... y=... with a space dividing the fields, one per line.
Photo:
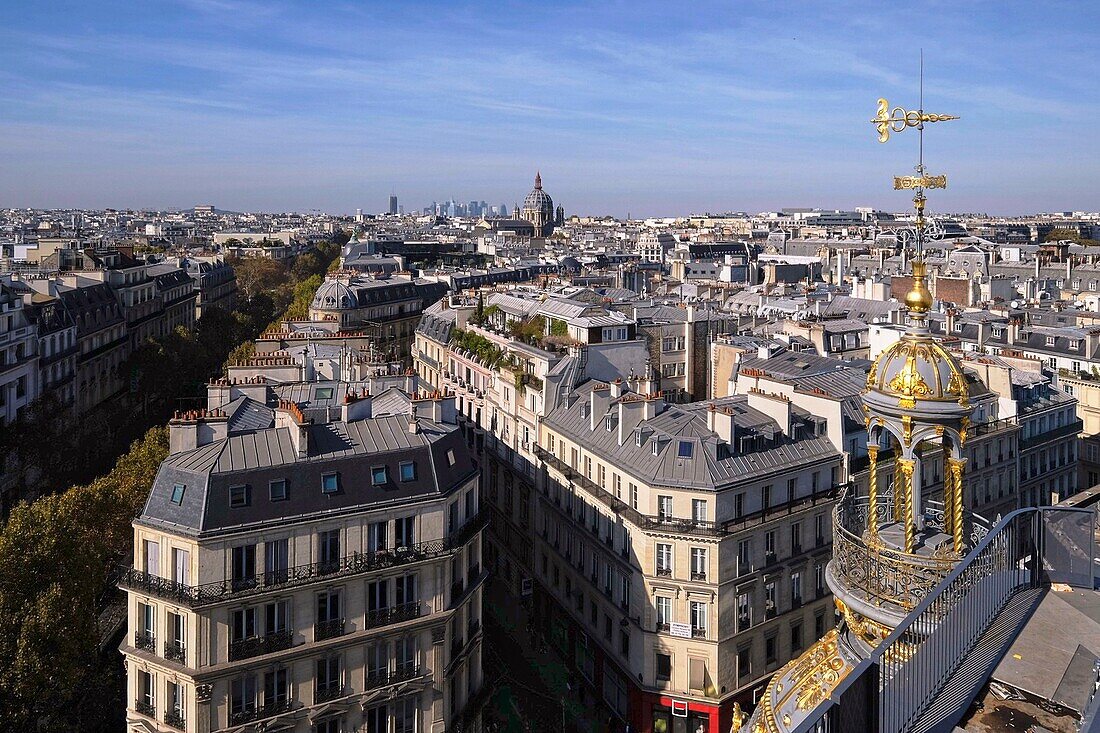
x=353 y=564
x=328 y=629
x=254 y=646
x=895 y=686
x=393 y=614
x=175 y=651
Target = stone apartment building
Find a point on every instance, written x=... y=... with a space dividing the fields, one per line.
x=214 y=280
x=19 y=356
x=301 y=575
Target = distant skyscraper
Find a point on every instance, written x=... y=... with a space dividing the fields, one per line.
x=393 y=203
x=503 y=210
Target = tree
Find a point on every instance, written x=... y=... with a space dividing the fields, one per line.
x=58 y=552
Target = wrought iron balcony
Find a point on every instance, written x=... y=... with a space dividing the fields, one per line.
x=176 y=652
x=175 y=719
x=350 y=565
x=402 y=673
x=254 y=646
x=328 y=692
x=698 y=633
x=662 y=627
x=145 y=641
x=145 y=708
x=328 y=629
x=698 y=576
x=393 y=614
x=664 y=572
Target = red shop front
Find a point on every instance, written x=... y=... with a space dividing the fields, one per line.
x=663 y=714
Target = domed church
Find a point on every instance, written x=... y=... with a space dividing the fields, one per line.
x=538 y=208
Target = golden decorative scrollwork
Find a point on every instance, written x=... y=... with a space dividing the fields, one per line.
x=897 y=119
x=907 y=428
x=908 y=381
x=872 y=632
x=818 y=672
x=902 y=182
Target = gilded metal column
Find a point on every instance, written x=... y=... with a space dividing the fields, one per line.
x=958 y=465
x=899 y=493
x=872 y=494
x=905 y=471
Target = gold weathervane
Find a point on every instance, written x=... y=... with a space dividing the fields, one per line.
x=897 y=119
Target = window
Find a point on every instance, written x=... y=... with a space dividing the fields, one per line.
x=450 y=457
x=244 y=566
x=796 y=588
x=404 y=714
x=664 y=667
x=770 y=650
x=376 y=536
x=276 y=687
x=177 y=494
x=624 y=642
x=243 y=695
x=276 y=617
x=323 y=393
x=739 y=505
x=277 y=489
x=698 y=619
x=405 y=587
x=796 y=538
x=328 y=549
x=744 y=611
x=276 y=562
x=769 y=545
x=175 y=705
x=796 y=637
x=744 y=662
x=770 y=606
x=378 y=475
x=685 y=449
x=244 y=623
x=664 y=612
x=698 y=563
x=699 y=510
x=664 y=559
x=403 y=532
x=147 y=692
x=407 y=471
x=328 y=606
x=744 y=557
x=1050 y=341
x=239 y=497
x=330 y=483
x=181 y=566
x=664 y=507
x=328 y=676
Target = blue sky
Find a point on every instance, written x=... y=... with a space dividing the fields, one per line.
x=656 y=108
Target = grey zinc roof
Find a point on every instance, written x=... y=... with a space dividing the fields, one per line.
x=712 y=466
x=246 y=414
x=347 y=449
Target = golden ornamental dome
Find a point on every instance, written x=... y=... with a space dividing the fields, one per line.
x=919 y=298
x=918 y=368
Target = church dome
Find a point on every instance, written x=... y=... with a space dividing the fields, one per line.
x=334 y=295
x=538 y=200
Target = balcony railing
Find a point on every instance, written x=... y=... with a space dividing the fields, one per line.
x=259 y=712
x=328 y=692
x=393 y=614
x=698 y=633
x=354 y=564
x=176 y=652
x=145 y=708
x=698 y=576
x=254 y=646
x=678 y=525
x=175 y=719
x=145 y=641
x=664 y=572
x=402 y=673
x=328 y=629
x=1072 y=428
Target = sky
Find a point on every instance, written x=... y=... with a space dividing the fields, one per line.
x=647 y=108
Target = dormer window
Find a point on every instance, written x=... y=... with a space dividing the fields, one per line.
x=177 y=494
x=958 y=328
x=407 y=471
x=330 y=483
x=654 y=447
x=685 y=449
x=378 y=475
x=1075 y=344
x=998 y=332
x=239 y=497
x=277 y=489
x=1050 y=341
x=638 y=438
x=608 y=423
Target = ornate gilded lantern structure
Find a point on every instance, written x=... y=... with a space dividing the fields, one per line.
x=894 y=544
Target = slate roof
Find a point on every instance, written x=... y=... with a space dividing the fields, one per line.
x=348 y=449
x=713 y=465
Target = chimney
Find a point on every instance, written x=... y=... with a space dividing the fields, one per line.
x=357 y=406
x=617 y=388
x=1092 y=342
x=775 y=406
x=949 y=324
x=600 y=401
x=288 y=415
x=196 y=428
x=1013 y=329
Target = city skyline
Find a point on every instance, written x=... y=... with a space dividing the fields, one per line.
x=623 y=108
